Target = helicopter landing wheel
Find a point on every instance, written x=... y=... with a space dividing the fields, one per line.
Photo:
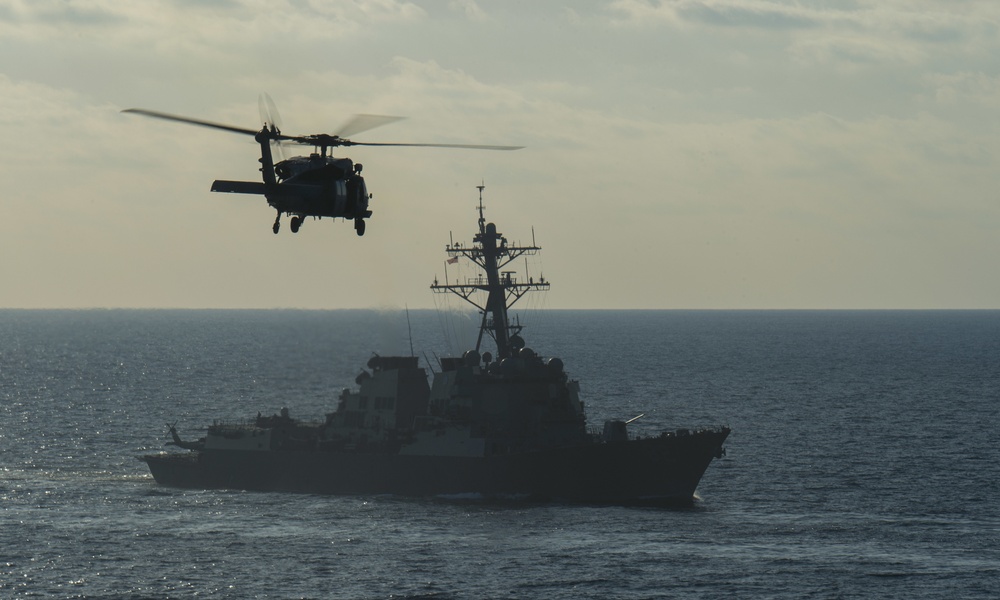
x=296 y=223
x=359 y=226
x=277 y=223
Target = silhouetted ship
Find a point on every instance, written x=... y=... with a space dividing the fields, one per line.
x=509 y=425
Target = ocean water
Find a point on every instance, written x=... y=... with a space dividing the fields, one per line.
x=863 y=460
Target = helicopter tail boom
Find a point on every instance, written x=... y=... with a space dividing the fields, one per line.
x=239 y=187
x=263 y=189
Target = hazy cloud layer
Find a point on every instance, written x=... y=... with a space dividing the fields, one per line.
x=684 y=154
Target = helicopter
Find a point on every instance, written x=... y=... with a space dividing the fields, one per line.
x=318 y=185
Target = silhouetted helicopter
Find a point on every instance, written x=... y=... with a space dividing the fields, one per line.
x=319 y=185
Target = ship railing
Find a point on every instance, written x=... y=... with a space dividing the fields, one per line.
x=240 y=424
x=680 y=432
x=507 y=279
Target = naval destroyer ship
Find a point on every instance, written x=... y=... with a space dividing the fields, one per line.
x=502 y=424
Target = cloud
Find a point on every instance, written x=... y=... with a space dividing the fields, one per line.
x=853 y=32
x=964 y=86
x=238 y=23
x=725 y=147
x=759 y=15
x=56 y=14
x=722 y=13
x=470 y=9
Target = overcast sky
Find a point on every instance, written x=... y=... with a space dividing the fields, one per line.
x=679 y=153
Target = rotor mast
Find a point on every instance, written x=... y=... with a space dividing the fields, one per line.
x=491 y=252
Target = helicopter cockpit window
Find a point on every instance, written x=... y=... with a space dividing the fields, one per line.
x=341 y=188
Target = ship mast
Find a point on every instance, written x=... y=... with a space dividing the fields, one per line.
x=491 y=252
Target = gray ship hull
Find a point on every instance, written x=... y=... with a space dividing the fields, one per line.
x=657 y=471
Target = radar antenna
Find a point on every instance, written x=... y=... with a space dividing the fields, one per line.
x=491 y=253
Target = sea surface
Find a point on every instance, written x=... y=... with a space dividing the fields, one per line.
x=863 y=461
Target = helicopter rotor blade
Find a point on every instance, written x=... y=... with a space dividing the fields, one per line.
x=190 y=121
x=466 y=146
x=359 y=123
x=269 y=114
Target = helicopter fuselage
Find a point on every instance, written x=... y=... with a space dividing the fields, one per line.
x=316 y=186
x=340 y=190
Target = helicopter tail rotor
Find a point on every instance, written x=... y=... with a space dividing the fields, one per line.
x=272 y=121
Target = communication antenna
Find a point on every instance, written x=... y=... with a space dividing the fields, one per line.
x=482 y=219
x=409 y=329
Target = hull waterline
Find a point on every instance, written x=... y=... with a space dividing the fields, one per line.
x=664 y=470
